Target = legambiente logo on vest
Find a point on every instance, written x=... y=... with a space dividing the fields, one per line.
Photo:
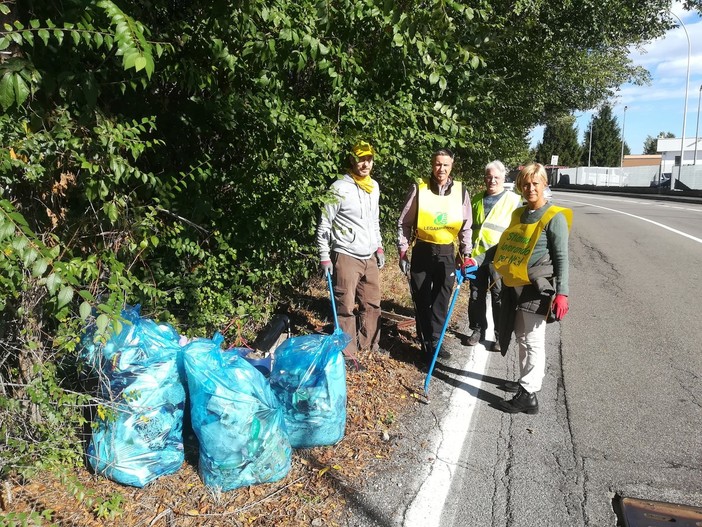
x=441 y=219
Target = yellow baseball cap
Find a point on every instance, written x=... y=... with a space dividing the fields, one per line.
x=363 y=148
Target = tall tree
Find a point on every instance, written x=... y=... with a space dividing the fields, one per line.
x=561 y=139
x=650 y=145
x=606 y=149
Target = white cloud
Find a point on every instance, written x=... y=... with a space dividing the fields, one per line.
x=668 y=56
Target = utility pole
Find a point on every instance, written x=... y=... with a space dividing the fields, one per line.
x=697 y=129
x=589 y=152
x=621 y=157
x=687 y=85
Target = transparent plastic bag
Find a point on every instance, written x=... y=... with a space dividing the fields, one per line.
x=138 y=431
x=237 y=419
x=309 y=379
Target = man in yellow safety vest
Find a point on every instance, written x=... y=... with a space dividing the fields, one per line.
x=435 y=220
x=492 y=210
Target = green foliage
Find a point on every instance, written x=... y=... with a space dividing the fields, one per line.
x=107 y=509
x=17 y=81
x=650 y=145
x=69 y=235
x=121 y=36
x=561 y=139
x=27 y=519
x=693 y=4
x=41 y=428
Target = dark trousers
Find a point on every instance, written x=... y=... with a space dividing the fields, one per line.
x=432 y=273
x=486 y=279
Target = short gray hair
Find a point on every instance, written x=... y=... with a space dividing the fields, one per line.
x=442 y=152
x=498 y=165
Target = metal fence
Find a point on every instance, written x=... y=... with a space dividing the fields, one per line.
x=609 y=176
x=690 y=176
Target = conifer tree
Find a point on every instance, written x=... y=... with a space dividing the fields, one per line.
x=560 y=139
x=606 y=140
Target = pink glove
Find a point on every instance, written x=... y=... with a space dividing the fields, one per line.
x=560 y=306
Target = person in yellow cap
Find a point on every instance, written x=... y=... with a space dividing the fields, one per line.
x=351 y=250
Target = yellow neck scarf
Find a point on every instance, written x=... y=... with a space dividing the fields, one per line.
x=363 y=182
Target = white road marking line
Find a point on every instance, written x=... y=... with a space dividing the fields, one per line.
x=638 y=202
x=612 y=198
x=690 y=236
x=425 y=510
x=678 y=207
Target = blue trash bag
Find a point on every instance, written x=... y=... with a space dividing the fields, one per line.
x=236 y=418
x=309 y=379
x=138 y=431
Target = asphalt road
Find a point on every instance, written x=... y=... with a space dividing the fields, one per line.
x=620 y=410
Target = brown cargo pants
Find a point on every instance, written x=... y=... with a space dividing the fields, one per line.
x=354 y=281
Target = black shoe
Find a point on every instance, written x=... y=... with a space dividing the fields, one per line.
x=522 y=402
x=510 y=386
x=496 y=346
x=474 y=337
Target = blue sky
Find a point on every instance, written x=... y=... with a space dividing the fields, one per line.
x=658 y=107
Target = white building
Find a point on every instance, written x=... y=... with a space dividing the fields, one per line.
x=670 y=152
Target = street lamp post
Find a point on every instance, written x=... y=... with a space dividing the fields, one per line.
x=687 y=84
x=697 y=129
x=589 y=152
x=621 y=158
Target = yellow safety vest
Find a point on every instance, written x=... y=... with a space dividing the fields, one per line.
x=439 y=218
x=492 y=227
x=517 y=243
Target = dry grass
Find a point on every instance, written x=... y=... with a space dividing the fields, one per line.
x=311 y=494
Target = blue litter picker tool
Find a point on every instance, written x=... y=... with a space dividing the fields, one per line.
x=460 y=277
x=337 y=329
x=333 y=302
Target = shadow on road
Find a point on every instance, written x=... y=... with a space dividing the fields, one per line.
x=446 y=374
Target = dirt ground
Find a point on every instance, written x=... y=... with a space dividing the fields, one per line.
x=378 y=398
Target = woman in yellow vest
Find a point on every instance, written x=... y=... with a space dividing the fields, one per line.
x=436 y=216
x=532 y=258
